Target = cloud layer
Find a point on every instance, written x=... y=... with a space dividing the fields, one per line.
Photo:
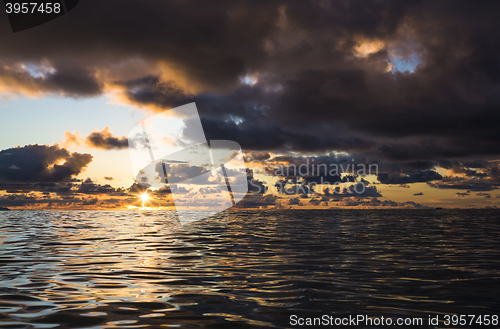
x=411 y=86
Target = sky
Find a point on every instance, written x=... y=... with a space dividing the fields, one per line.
x=411 y=87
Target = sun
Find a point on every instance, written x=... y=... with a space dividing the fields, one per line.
x=144 y=197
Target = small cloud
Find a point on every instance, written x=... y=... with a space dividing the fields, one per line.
x=103 y=140
x=419 y=193
x=414 y=177
x=108 y=178
x=366 y=47
x=72 y=139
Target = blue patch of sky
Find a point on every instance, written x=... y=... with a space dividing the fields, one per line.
x=248 y=80
x=37 y=71
x=45 y=120
x=401 y=64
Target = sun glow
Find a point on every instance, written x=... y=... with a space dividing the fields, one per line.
x=144 y=197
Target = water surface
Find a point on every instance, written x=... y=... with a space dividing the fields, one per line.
x=245 y=269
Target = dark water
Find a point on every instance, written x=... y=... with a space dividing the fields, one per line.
x=251 y=269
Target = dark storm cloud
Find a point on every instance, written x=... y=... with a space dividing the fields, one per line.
x=24 y=200
x=459 y=184
x=73 y=82
x=477 y=175
x=374 y=202
x=254 y=185
x=311 y=85
x=18 y=200
x=407 y=178
x=139 y=189
x=253 y=200
x=89 y=187
x=357 y=190
x=288 y=188
x=178 y=173
x=62 y=81
x=26 y=187
x=470 y=175
x=270 y=135
x=329 y=168
x=41 y=163
x=61 y=194
x=33 y=173
x=258 y=156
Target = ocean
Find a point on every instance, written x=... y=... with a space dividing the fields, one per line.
x=246 y=268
